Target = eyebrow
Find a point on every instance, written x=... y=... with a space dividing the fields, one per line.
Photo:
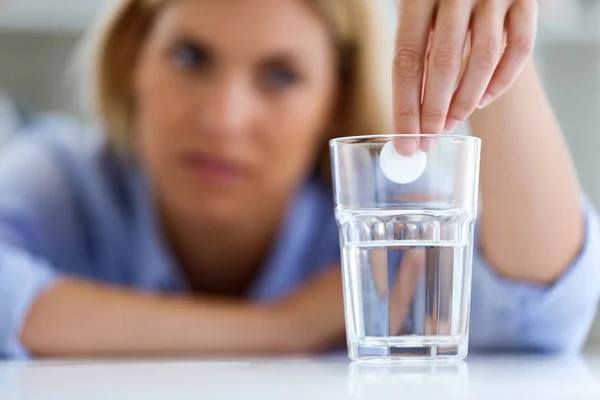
x=297 y=56
x=295 y=52
x=193 y=38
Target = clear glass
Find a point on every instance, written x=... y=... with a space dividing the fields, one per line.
x=407 y=248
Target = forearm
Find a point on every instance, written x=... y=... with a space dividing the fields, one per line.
x=78 y=319
x=531 y=224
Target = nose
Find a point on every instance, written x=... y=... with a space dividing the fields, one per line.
x=226 y=108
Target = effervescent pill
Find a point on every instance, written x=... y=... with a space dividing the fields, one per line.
x=401 y=169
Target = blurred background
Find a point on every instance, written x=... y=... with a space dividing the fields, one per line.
x=38 y=37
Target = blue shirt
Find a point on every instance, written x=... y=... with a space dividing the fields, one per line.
x=70 y=207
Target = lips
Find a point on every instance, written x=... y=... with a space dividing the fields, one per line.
x=213 y=169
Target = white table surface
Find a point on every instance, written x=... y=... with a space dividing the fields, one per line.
x=489 y=377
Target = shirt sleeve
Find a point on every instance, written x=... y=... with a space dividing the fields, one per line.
x=516 y=316
x=22 y=279
x=34 y=203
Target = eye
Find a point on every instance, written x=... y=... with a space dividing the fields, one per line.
x=187 y=55
x=277 y=77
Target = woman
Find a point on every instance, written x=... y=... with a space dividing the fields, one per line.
x=201 y=221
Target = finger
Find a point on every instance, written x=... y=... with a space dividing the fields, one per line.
x=486 y=50
x=521 y=26
x=444 y=68
x=427 y=143
x=414 y=25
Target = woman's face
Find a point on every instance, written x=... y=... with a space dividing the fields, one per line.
x=232 y=98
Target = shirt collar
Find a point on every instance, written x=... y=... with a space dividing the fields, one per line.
x=280 y=271
x=284 y=266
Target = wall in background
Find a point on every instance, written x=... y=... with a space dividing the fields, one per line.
x=571 y=75
x=33 y=66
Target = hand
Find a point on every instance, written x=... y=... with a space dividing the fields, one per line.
x=313 y=317
x=432 y=37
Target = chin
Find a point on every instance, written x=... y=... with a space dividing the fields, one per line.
x=203 y=203
x=214 y=209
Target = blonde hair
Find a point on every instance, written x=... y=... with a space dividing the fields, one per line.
x=359 y=28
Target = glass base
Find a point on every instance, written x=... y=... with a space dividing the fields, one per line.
x=379 y=349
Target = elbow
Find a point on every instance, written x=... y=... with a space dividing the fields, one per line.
x=563 y=337
x=564 y=348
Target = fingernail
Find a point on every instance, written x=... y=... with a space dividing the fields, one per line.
x=406 y=147
x=452 y=124
x=428 y=144
x=485 y=100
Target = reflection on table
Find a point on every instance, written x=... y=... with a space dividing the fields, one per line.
x=480 y=377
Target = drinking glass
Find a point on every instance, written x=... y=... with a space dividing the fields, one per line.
x=406 y=247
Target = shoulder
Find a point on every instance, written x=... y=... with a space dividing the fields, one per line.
x=307 y=243
x=63 y=188
x=50 y=159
